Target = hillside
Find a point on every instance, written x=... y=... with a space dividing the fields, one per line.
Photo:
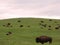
x=23 y=31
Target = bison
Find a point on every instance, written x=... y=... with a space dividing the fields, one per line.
x=9 y=33
x=9 y=24
x=44 y=39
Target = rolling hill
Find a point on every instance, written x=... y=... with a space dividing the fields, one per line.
x=23 y=31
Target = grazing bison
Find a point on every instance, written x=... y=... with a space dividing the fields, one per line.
x=43 y=39
x=3 y=25
x=9 y=33
x=42 y=21
x=9 y=24
x=19 y=21
x=21 y=25
x=56 y=27
x=49 y=26
x=50 y=19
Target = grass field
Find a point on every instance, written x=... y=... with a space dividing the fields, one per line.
x=25 y=30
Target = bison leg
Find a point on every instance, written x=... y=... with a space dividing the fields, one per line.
x=42 y=43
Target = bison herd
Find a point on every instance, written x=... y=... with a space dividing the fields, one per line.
x=44 y=25
x=41 y=24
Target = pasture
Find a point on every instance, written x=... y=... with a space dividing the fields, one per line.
x=23 y=31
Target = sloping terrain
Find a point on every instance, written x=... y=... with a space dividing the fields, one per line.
x=23 y=31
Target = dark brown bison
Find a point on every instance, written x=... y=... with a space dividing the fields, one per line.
x=9 y=33
x=43 y=39
x=9 y=24
x=21 y=25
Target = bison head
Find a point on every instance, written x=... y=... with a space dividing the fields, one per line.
x=37 y=40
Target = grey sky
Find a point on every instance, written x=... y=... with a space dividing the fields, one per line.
x=30 y=8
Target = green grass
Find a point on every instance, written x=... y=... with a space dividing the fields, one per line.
x=26 y=35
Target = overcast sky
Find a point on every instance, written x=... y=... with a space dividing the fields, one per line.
x=30 y=8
